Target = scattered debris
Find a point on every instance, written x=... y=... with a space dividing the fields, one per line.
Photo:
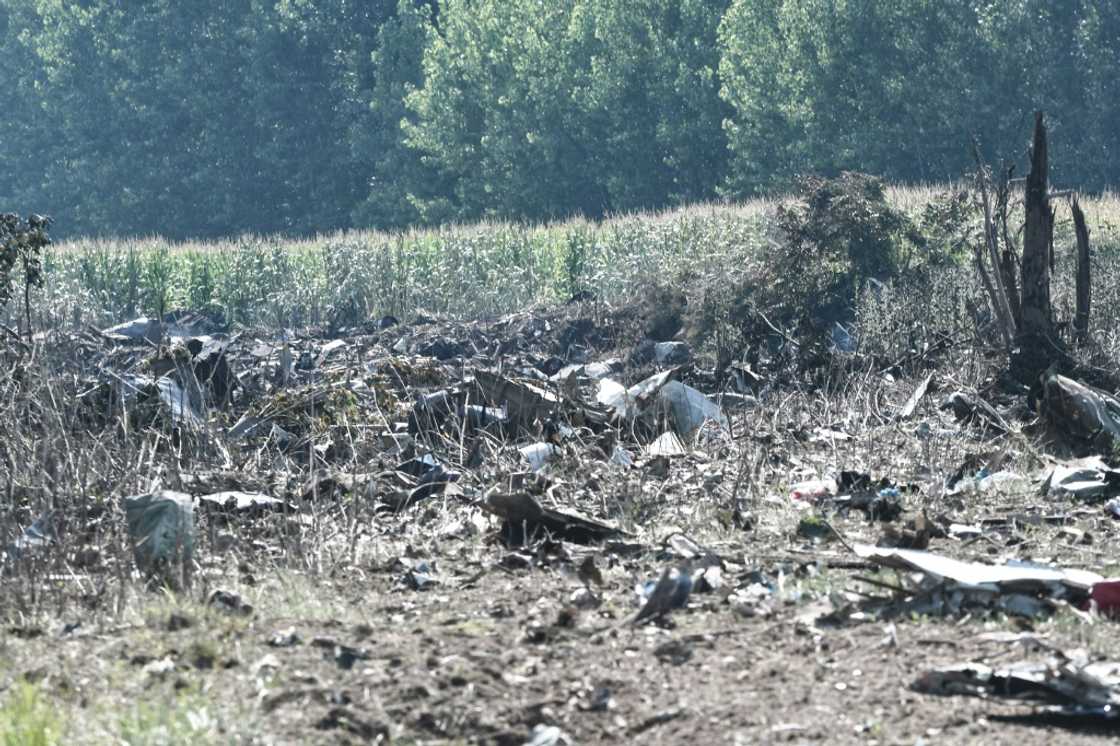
x=970 y=410
x=420 y=576
x=813 y=489
x=137 y=330
x=162 y=531
x=1087 y=415
x=983 y=481
x=671 y=353
x=912 y=403
x=538 y=454
x=1086 y=479
x=420 y=435
x=1066 y=683
x=245 y=502
x=547 y=735
x=949 y=586
x=667 y=444
x=229 y=602
x=524 y=518
x=689 y=408
x=40 y=534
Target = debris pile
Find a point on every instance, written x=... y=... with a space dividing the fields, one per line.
x=663 y=494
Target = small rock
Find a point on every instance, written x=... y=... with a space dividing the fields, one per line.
x=229 y=602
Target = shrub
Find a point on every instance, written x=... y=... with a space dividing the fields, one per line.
x=825 y=245
x=836 y=236
x=21 y=257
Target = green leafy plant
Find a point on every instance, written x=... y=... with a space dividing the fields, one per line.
x=577 y=255
x=26 y=719
x=159 y=278
x=838 y=235
x=21 y=257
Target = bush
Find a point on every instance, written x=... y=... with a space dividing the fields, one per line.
x=839 y=234
x=21 y=257
x=825 y=246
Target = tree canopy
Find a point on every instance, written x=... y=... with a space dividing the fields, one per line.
x=299 y=116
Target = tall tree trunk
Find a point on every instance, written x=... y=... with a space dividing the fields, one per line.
x=1037 y=343
x=1037 y=316
x=1081 y=319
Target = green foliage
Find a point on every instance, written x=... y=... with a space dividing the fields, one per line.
x=346 y=280
x=113 y=276
x=159 y=278
x=201 y=280
x=21 y=248
x=250 y=283
x=400 y=184
x=818 y=86
x=21 y=257
x=838 y=235
x=575 y=107
x=26 y=719
x=200 y=119
x=295 y=117
x=578 y=246
x=950 y=222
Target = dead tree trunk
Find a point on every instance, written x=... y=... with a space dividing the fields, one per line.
x=995 y=284
x=1037 y=316
x=1037 y=343
x=1009 y=259
x=1081 y=318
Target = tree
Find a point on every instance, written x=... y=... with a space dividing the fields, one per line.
x=197 y=119
x=312 y=67
x=21 y=258
x=25 y=135
x=819 y=86
x=142 y=98
x=816 y=85
x=652 y=101
x=575 y=107
x=398 y=183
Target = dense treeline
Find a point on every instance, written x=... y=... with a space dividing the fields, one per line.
x=220 y=116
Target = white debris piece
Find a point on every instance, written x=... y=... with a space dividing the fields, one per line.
x=161 y=528
x=538 y=454
x=690 y=408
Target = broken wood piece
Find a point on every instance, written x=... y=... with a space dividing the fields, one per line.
x=912 y=403
x=524 y=518
x=1081 y=317
x=970 y=410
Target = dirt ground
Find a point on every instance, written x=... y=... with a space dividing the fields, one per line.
x=349 y=622
x=487 y=661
